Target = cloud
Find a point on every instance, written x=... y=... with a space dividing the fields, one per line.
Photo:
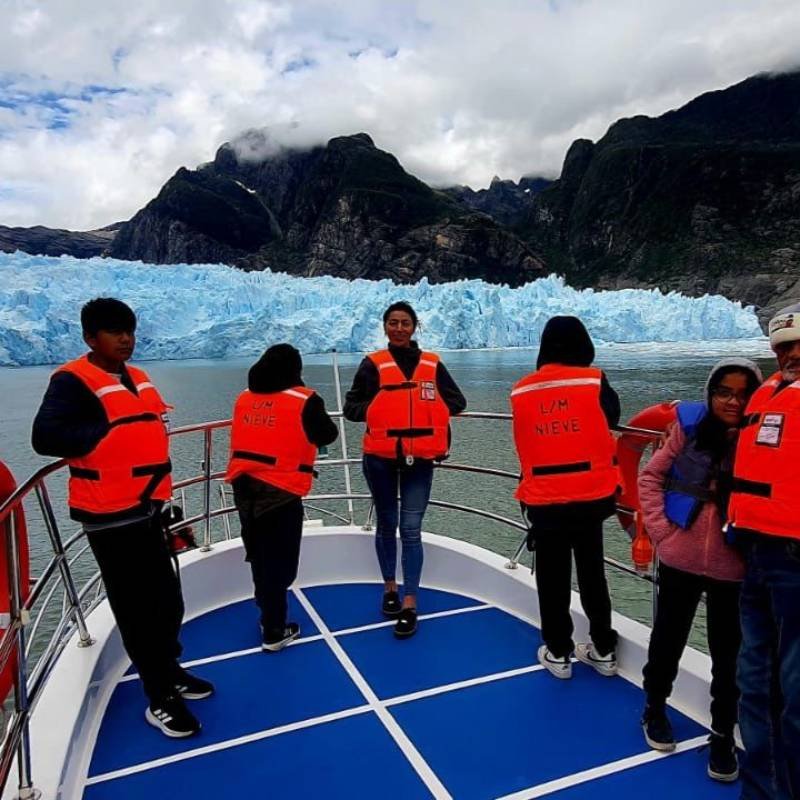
x=100 y=102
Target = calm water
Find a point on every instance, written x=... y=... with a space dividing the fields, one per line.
x=205 y=390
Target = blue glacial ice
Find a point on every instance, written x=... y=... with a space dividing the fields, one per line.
x=215 y=311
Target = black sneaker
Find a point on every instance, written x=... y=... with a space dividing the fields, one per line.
x=277 y=639
x=657 y=728
x=406 y=623
x=172 y=717
x=190 y=687
x=391 y=605
x=722 y=762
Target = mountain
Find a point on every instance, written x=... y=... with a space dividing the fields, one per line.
x=505 y=201
x=347 y=209
x=56 y=242
x=704 y=198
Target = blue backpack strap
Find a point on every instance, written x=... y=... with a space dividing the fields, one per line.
x=690 y=414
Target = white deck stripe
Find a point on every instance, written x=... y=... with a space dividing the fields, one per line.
x=433 y=615
x=225 y=656
x=599 y=772
x=428 y=776
x=451 y=687
x=228 y=743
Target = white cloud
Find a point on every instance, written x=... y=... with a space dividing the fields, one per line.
x=459 y=96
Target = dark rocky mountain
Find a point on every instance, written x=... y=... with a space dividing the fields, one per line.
x=55 y=242
x=705 y=198
x=505 y=201
x=346 y=209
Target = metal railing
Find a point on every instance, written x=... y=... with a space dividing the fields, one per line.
x=33 y=664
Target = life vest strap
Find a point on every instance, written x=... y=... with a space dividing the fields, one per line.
x=261 y=458
x=409 y=433
x=393 y=387
x=690 y=489
x=757 y=488
x=750 y=419
x=146 y=417
x=84 y=473
x=308 y=468
x=158 y=473
x=562 y=469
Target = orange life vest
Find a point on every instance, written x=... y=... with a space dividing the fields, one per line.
x=407 y=417
x=268 y=441
x=764 y=496
x=562 y=437
x=130 y=466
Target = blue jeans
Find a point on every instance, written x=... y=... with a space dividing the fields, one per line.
x=769 y=670
x=384 y=478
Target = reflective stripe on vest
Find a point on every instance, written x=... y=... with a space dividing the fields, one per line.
x=407 y=417
x=130 y=466
x=764 y=496
x=565 y=447
x=268 y=441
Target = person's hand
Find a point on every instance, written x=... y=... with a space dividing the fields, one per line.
x=662 y=440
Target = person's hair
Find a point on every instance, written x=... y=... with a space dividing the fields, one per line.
x=107 y=314
x=280 y=367
x=566 y=341
x=401 y=305
x=712 y=432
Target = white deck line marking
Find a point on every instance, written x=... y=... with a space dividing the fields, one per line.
x=465 y=684
x=605 y=769
x=433 y=615
x=228 y=743
x=225 y=656
x=428 y=776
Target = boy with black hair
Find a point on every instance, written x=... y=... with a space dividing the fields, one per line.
x=108 y=421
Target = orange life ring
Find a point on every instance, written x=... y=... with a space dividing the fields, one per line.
x=7 y=487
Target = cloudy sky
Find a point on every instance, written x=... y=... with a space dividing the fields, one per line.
x=102 y=100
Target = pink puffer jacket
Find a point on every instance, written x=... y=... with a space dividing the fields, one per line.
x=701 y=548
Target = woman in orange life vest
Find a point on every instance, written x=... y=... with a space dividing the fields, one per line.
x=684 y=491
x=561 y=419
x=278 y=424
x=406 y=397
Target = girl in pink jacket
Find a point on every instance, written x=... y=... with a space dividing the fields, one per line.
x=684 y=491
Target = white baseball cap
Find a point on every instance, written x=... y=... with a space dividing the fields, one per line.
x=785 y=326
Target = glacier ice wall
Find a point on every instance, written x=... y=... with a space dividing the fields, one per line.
x=215 y=311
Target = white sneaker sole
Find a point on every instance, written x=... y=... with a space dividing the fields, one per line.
x=723 y=777
x=556 y=670
x=664 y=747
x=599 y=667
x=275 y=646
x=196 y=695
x=148 y=715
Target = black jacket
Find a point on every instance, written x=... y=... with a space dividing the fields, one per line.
x=366 y=383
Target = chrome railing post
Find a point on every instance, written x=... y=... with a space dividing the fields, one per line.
x=342 y=434
x=21 y=705
x=71 y=593
x=367 y=526
x=207 y=447
x=513 y=562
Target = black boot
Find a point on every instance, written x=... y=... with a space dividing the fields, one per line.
x=656 y=727
x=722 y=762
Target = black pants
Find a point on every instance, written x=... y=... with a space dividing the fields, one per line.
x=554 y=551
x=678 y=595
x=145 y=596
x=272 y=544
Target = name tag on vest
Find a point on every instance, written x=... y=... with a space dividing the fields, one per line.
x=427 y=390
x=771 y=430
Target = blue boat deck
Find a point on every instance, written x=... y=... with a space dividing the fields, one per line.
x=460 y=710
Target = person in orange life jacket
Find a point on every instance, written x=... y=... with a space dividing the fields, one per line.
x=106 y=419
x=561 y=417
x=684 y=491
x=764 y=518
x=278 y=424
x=406 y=397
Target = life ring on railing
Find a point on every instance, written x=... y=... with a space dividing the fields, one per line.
x=7 y=487
x=630 y=448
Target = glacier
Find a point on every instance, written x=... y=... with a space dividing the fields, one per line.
x=215 y=311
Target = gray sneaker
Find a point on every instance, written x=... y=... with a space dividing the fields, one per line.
x=604 y=665
x=558 y=667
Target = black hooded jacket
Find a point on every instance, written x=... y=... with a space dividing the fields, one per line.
x=566 y=341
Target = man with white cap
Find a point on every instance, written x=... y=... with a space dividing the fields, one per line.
x=764 y=514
